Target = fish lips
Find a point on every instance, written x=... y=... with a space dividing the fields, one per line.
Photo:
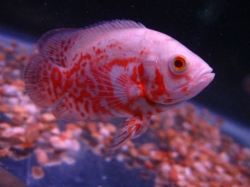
x=194 y=87
x=202 y=80
x=206 y=77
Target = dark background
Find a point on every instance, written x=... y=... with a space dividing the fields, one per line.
x=216 y=30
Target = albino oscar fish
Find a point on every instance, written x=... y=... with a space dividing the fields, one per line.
x=116 y=69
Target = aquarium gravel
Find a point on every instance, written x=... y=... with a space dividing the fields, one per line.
x=183 y=147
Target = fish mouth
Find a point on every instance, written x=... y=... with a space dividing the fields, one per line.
x=194 y=87
x=205 y=77
x=201 y=81
x=198 y=83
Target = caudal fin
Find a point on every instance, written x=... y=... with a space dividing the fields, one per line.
x=42 y=81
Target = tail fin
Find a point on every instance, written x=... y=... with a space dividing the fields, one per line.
x=38 y=76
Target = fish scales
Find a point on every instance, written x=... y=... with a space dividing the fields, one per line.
x=116 y=69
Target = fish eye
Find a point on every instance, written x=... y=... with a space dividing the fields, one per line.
x=178 y=64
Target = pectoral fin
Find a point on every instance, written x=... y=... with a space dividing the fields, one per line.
x=131 y=128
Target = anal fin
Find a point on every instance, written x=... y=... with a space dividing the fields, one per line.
x=131 y=128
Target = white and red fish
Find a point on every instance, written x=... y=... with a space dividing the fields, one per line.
x=117 y=69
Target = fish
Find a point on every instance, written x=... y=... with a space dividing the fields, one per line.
x=115 y=68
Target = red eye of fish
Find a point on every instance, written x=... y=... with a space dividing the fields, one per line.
x=178 y=64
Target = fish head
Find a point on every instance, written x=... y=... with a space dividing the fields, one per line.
x=178 y=74
x=187 y=76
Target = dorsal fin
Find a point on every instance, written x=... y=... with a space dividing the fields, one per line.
x=59 y=44
x=114 y=25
